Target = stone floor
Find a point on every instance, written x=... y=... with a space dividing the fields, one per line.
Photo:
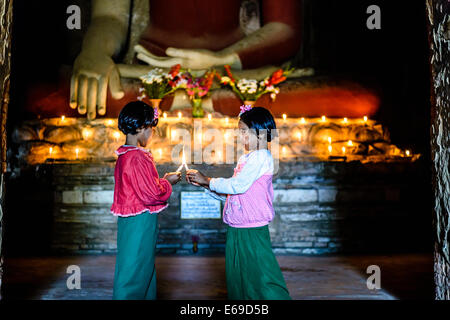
x=405 y=276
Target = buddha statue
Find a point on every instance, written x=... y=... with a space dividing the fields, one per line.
x=254 y=37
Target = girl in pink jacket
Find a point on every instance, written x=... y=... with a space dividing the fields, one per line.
x=139 y=195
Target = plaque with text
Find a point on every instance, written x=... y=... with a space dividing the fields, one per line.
x=199 y=205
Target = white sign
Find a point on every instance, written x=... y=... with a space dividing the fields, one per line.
x=198 y=205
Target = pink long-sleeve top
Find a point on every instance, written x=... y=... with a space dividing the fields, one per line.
x=249 y=192
x=137 y=187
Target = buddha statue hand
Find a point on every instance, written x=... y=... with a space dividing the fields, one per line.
x=92 y=73
x=189 y=58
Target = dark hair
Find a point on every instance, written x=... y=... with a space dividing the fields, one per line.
x=259 y=118
x=135 y=115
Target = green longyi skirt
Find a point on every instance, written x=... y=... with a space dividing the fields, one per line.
x=252 y=271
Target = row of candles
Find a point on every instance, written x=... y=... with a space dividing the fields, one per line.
x=87 y=133
x=227 y=119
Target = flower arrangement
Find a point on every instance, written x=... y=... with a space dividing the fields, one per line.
x=197 y=88
x=157 y=84
x=251 y=89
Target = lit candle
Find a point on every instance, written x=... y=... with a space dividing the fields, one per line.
x=109 y=122
x=330 y=148
x=303 y=120
x=183 y=163
x=50 y=150
x=173 y=134
x=209 y=117
x=343 y=150
x=345 y=120
x=227 y=120
x=62 y=118
x=407 y=153
x=165 y=115
x=116 y=135
x=76 y=152
x=350 y=143
x=365 y=118
x=299 y=136
x=86 y=133
x=324 y=118
x=329 y=139
x=179 y=115
x=284 y=116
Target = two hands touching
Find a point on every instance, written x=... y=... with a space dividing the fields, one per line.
x=193 y=177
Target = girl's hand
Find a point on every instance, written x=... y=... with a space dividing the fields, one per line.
x=173 y=177
x=197 y=178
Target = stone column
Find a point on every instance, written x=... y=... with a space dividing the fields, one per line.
x=439 y=40
x=5 y=69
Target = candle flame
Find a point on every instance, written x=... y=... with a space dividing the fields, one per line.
x=345 y=120
x=350 y=143
x=62 y=118
x=284 y=116
x=323 y=118
x=179 y=115
x=303 y=120
x=165 y=115
x=343 y=149
x=330 y=148
x=365 y=118
x=209 y=117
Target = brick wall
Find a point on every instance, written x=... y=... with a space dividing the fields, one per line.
x=321 y=207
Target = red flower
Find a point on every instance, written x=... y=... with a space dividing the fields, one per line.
x=175 y=70
x=228 y=70
x=277 y=77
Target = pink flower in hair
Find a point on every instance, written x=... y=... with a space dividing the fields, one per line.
x=155 y=113
x=245 y=108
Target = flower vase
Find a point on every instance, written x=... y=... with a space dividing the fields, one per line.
x=155 y=104
x=197 y=110
x=249 y=103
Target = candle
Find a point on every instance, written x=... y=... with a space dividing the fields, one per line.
x=179 y=115
x=183 y=163
x=284 y=116
x=76 y=152
x=350 y=143
x=116 y=135
x=227 y=120
x=62 y=118
x=209 y=117
x=109 y=122
x=343 y=150
x=165 y=115
x=329 y=139
x=87 y=133
x=345 y=120
x=330 y=148
x=407 y=153
x=303 y=120
x=323 y=118
x=50 y=150
x=365 y=118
